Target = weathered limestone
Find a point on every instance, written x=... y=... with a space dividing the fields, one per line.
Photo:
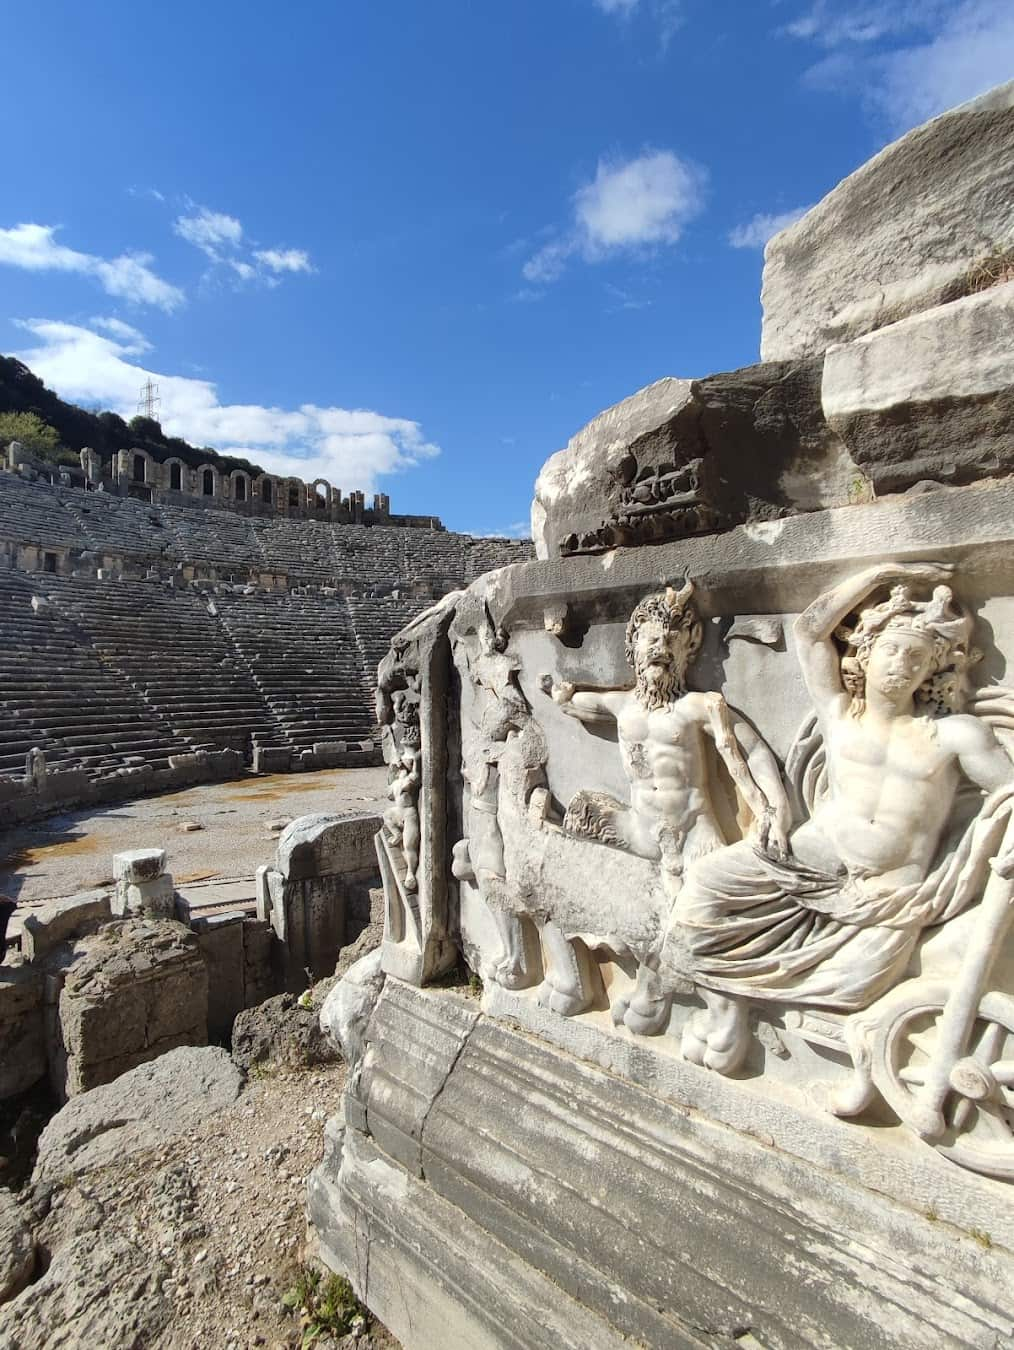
x=929 y=397
x=22 y=1029
x=58 y=920
x=323 y=865
x=129 y=994
x=899 y=235
x=491 y=1179
x=17 y=1250
x=142 y=1108
x=686 y=457
x=143 y=887
x=220 y=938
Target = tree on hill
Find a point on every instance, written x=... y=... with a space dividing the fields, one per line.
x=37 y=436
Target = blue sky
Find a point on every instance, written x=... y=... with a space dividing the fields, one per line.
x=417 y=244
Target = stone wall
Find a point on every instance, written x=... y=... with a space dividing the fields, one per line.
x=99 y=982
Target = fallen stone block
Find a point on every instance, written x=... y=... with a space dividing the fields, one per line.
x=58 y=920
x=148 y=899
x=144 y=1108
x=139 y=864
x=22 y=1029
x=17 y=1250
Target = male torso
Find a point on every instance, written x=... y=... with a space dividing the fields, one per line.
x=663 y=754
x=892 y=783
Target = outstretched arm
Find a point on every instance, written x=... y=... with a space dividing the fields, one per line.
x=815 y=626
x=594 y=706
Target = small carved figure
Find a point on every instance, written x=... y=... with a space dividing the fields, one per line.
x=835 y=923
x=401 y=820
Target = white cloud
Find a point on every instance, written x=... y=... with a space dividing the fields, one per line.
x=285 y=259
x=131 y=341
x=909 y=61
x=756 y=232
x=221 y=238
x=666 y=15
x=210 y=231
x=128 y=277
x=630 y=205
x=351 y=448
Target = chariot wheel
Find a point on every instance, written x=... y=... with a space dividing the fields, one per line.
x=979 y=1107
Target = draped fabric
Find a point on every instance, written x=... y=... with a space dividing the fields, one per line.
x=748 y=924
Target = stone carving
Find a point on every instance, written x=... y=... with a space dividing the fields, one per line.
x=834 y=924
x=654 y=502
x=401 y=820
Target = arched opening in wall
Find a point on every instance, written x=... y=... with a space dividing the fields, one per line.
x=139 y=468
x=240 y=488
x=293 y=494
x=209 y=483
x=176 y=477
x=266 y=491
x=320 y=496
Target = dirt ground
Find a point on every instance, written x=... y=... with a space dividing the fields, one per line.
x=205 y=1235
x=74 y=851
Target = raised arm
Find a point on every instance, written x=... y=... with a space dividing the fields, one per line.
x=592 y=706
x=814 y=628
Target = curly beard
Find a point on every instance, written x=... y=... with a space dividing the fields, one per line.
x=657 y=687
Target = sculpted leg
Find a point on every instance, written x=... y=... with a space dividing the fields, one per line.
x=563 y=989
x=508 y=967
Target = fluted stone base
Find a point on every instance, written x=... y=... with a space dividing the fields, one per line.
x=488 y=1188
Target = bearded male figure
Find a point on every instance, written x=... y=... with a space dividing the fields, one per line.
x=835 y=923
x=663 y=732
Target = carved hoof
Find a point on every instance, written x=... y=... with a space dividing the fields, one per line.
x=717 y=1041
x=854 y=1096
x=556 y=1000
x=510 y=974
x=410 y=882
x=644 y=1017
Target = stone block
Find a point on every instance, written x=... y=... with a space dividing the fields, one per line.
x=220 y=937
x=330 y=754
x=930 y=397
x=260 y=979
x=22 y=1034
x=685 y=457
x=320 y=845
x=271 y=759
x=151 y=899
x=593 y=1210
x=139 y=864
x=897 y=236
x=130 y=992
x=58 y=920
